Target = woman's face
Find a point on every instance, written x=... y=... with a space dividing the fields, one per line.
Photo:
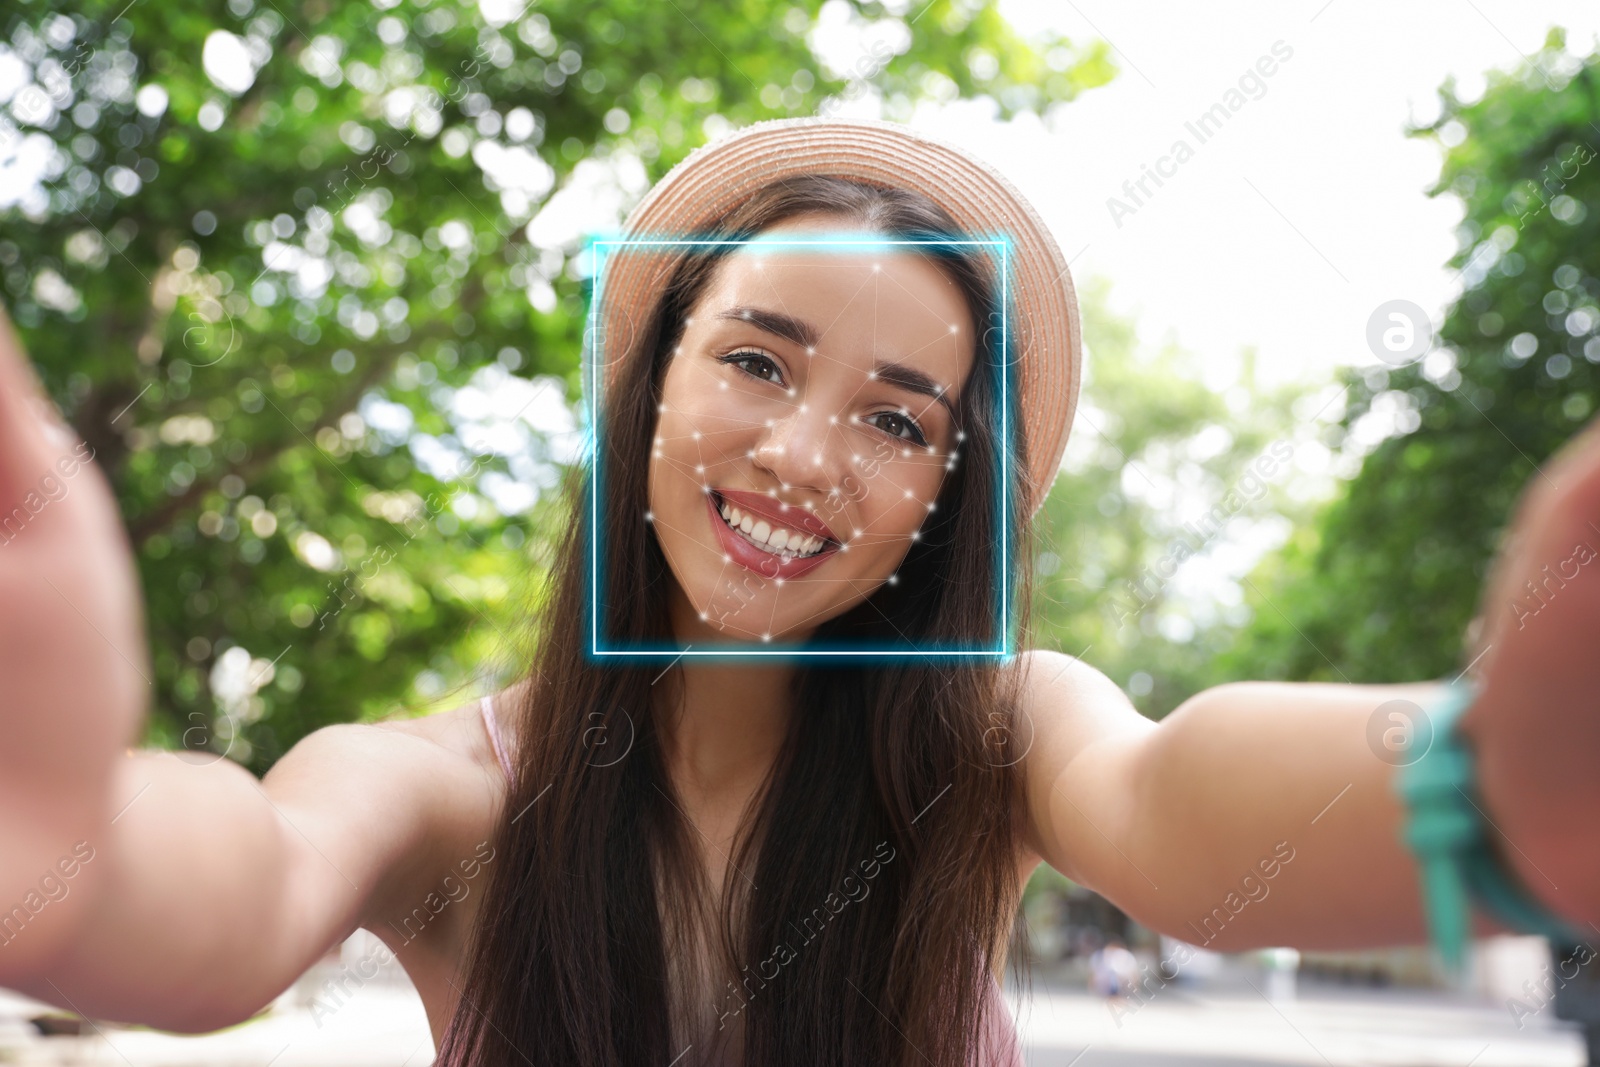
x=811 y=404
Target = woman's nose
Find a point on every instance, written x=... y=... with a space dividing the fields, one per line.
x=805 y=448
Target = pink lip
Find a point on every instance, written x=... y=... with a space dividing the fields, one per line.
x=763 y=563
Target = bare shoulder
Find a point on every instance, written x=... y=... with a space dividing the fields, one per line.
x=1068 y=701
x=1066 y=707
x=1063 y=684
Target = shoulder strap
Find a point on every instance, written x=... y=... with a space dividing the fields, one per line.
x=493 y=727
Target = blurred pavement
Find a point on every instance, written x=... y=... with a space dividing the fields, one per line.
x=382 y=1025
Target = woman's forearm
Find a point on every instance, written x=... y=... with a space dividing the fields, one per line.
x=1264 y=814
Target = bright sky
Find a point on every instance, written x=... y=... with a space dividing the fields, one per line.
x=1302 y=214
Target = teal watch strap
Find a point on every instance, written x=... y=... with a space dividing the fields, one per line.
x=1444 y=829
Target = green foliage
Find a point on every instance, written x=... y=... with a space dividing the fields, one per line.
x=1386 y=584
x=319 y=311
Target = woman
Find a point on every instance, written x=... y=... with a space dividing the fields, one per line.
x=768 y=860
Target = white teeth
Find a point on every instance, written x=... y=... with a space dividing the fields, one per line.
x=788 y=544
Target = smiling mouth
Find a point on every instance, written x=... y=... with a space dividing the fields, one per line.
x=769 y=537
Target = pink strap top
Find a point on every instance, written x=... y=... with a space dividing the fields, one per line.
x=489 y=723
x=1000 y=1047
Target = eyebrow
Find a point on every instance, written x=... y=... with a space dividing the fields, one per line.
x=801 y=332
x=788 y=327
x=914 y=381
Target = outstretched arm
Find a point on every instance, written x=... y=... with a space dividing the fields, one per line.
x=1263 y=813
x=1254 y=814
x=138 y=886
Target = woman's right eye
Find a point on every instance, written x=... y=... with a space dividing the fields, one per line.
x=760 y=360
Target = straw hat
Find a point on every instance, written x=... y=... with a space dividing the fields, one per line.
x=713 y=179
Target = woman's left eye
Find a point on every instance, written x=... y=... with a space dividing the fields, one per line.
x=901 y=421
x=758 y=358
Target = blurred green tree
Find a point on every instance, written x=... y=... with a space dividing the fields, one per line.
x=1171 y=489
x=1383 y=586
x=308 y=278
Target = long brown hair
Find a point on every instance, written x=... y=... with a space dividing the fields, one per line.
x=874 y=874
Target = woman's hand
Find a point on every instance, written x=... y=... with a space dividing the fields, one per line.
x=1536 y=723
x=73 y=667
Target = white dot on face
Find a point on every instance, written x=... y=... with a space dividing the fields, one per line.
x=688 y=320
x=677 y=350
x=696 y=435
x=750 y=454
x=858 y=533
x=810 y=351
x=932 y=506
x=816 y=460
x=833 y=420
x=894 y=579
x=877 y=267
x=699 y=468
x=769 y=422
x=766 y=637
x=727 y=559
x=916 y=536
x=661 y=407
x=722 y=385
x=649 y=516
x=778 y=580
x=908 y=493
x=702 y=616
x=961 y=435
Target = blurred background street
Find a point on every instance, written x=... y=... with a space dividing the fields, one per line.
x=1232 y=1010
x=311 y=279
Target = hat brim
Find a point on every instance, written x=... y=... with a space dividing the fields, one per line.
x=715 y=178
